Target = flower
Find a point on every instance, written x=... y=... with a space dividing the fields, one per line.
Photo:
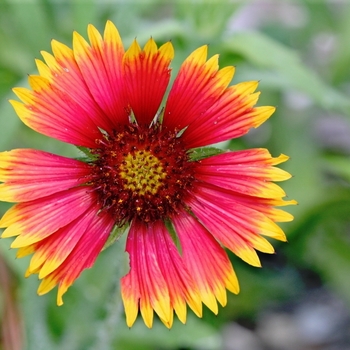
x=145 y=169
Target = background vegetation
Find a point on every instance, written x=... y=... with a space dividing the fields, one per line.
x=300 y=52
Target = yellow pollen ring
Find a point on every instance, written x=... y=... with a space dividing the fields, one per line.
x=142 y=172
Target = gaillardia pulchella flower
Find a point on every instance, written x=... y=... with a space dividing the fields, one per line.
x=145 y=169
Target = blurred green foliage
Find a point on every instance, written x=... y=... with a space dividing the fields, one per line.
x=300 y=52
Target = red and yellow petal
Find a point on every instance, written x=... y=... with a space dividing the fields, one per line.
x=206 y=261
x=245 y=177
x=31 y=174
x=248 y=172
x=158 y=279
x=229 y=116
x=144 y=286
x=62 y=71
x=235 y=225
x=182 y=288
x=81 y=257
x=52 y=251
x=35 y=220
x=198 y=86
x=147 y=75
x=54 y=113
x=100 y=63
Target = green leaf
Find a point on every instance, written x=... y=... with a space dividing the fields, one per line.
x=89 y=157
x=116 y=233
x=204 y=152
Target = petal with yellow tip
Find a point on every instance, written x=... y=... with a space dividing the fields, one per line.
x=35 y=220
x=100 y=63
x=81 y=257
x=210 y=267
x=148 y=285
x=54 y=113
x=231 y=115
x=147 y=75
x=198 y=86
x=248 y=172
x=31 y=174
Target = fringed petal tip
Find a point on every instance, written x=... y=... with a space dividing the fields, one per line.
x=61 y=248
x=261 y=114
x=177 y=282
x=147 y=67
x=47 y=285
x=134 y=309
x=280 y=159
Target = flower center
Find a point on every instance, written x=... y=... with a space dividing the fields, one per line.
x=141 y=172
